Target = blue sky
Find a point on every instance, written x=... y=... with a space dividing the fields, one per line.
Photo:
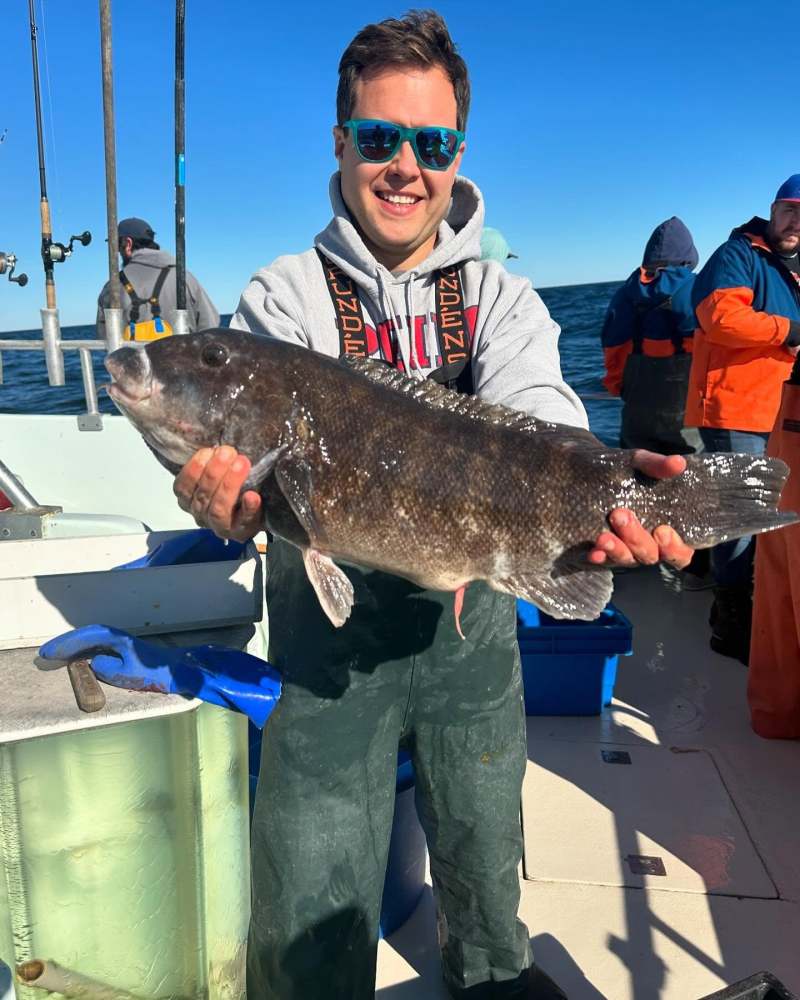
x=590 y=124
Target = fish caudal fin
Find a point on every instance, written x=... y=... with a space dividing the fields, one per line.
x=570 y=592
x=331 y=585
x=722 y=496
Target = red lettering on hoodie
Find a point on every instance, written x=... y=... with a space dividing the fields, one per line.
x=383 y=340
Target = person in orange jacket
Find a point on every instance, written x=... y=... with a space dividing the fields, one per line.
x=747 y=302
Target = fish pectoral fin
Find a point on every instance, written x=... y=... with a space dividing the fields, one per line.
x=293 y=476
x=331 y=585
x=572 y=593
x=261 y=469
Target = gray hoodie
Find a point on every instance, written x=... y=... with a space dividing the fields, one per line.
x=514 y=341
x=142 y=271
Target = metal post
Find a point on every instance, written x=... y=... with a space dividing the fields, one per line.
x=89 y=388
x=113 y=314
x=53 y=355
x=181 y=319
x=14 y=489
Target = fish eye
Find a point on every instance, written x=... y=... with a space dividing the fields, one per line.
x=214 y=355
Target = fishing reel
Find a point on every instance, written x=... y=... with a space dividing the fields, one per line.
x=57 y=253
x=8 y=262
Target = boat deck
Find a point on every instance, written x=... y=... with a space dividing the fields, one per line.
x=698 y=795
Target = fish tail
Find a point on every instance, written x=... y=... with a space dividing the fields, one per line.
x=722 y=496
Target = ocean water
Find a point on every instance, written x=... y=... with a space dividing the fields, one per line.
x=578 y=309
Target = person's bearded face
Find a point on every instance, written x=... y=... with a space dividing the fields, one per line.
x=784 y=226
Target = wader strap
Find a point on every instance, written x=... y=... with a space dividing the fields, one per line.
x=135 y=300
x=452 y=329
x=155 y=306
x=349 y=314
x=152 y=299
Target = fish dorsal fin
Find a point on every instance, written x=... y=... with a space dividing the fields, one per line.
x=439 y=397
x=575 y=593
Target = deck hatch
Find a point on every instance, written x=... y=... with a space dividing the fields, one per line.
x=586 y=822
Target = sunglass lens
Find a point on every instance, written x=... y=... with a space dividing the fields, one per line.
x=437 y=147
x=377 y=141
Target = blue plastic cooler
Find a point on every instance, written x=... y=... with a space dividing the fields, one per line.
x=569 y=667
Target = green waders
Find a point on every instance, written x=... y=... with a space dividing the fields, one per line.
x=397 y=672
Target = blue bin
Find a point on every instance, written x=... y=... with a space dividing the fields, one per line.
x=569 y=667
x=405 y=868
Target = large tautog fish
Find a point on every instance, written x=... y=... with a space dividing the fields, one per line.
x=359 y=464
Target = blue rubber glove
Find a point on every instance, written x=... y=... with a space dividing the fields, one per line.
x=217 y=674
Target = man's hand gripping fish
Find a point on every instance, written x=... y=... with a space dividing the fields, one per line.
x=358 y=464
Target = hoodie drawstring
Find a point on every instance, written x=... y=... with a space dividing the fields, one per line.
x=416 y=372
x=405 y=345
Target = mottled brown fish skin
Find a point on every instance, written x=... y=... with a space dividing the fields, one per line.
x=396 y=481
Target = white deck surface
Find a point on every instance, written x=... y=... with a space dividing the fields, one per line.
x=724 y=820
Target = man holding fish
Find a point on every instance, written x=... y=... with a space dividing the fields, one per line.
x=396 y=275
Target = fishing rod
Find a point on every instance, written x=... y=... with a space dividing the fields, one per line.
x=112 y=313
x=52 y=252
x=8 y=261
x=181 y=324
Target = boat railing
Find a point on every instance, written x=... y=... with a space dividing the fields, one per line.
x=54 y=346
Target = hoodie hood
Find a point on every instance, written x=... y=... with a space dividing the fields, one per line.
x=755 y=231
x=670 y=244
x=458 y=238
x=148 y=257
x=654 y=287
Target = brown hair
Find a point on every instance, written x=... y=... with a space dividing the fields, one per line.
x=419 y=38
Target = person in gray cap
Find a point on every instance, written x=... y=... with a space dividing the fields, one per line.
x=149 y=294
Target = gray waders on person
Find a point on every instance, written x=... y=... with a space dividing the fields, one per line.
x=396 y=673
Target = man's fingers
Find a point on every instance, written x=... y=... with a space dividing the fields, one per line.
x=610 y=551
x=187 y=479
x=217 y=492
x=640 y=543
x=672 y=549
x=658 y=466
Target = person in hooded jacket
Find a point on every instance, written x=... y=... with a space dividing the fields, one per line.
x=149 y=294
x=747 y=302
x=647 y=342
x=397 y=275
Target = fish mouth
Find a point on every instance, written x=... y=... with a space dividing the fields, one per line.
x=132 y=382
x=127 y=397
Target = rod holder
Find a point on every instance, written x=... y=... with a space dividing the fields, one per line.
x=89 y=388
x=114 y=328
x=53 y=357
x=180 y=324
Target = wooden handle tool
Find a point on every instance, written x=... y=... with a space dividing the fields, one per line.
x=88 y=693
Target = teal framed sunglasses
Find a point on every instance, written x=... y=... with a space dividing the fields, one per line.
x=377 y=141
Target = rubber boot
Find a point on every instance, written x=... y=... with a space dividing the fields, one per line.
x=542 y=987
x=731 y=621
